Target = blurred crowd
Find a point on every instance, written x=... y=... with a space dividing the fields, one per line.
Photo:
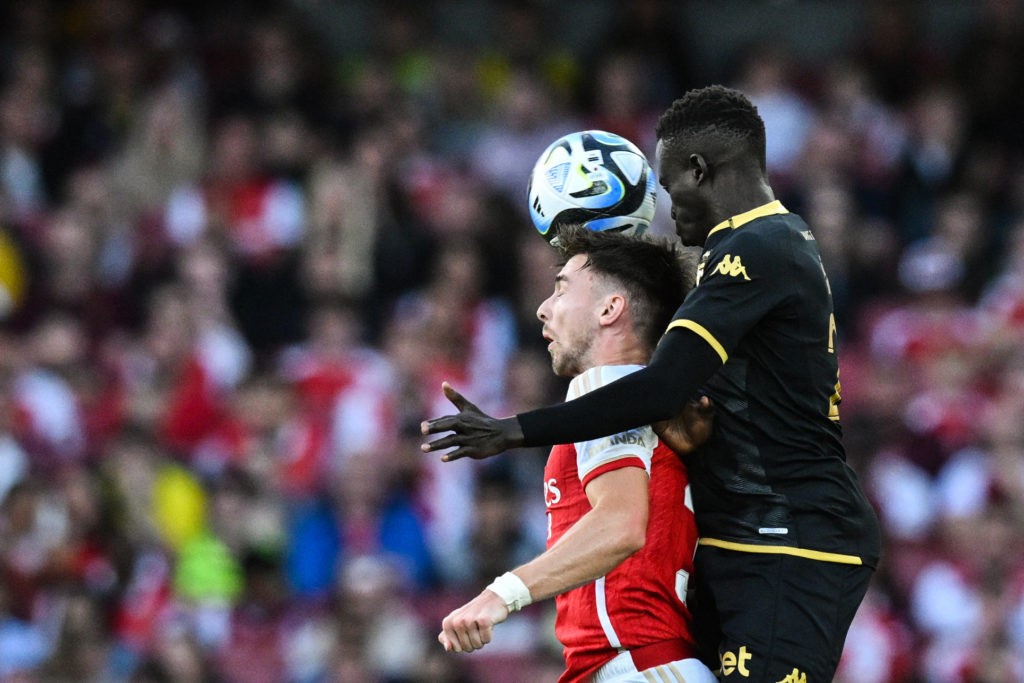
x=236 y=265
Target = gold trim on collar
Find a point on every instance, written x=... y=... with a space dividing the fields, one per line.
x=769 y=209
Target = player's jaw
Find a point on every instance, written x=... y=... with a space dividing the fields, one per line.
x=567 y=356
x=692 y=223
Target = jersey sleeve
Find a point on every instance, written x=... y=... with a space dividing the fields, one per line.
x=632 y=448
x=739 y=284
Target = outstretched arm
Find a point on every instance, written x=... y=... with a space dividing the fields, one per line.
x=682 y=363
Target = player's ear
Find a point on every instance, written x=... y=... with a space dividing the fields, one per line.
x=612 y=308
x=699 y=168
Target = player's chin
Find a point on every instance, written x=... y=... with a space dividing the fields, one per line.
x=561 y=366
x=688 y=234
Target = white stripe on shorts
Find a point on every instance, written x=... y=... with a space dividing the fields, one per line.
x=622 y=670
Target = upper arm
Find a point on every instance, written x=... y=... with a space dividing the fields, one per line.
x=623 y=493
x=614 y=471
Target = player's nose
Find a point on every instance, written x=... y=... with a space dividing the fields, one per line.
x=542 y=310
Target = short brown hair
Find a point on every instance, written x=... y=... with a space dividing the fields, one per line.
x=655 y=272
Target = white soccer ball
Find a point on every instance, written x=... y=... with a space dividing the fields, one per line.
x=593 y=177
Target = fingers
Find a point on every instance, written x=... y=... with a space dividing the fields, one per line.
x=700 y=404
x=448 y=422
x=438 y=425
x=452 y=423
x=457 y=399
x=457 y=454
x=460 y=633
x=696 y=410
x=441 y=444
x=448 y=442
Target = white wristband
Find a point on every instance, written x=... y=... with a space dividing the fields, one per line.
x=512 y=590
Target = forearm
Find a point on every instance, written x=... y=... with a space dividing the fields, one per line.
x=681 y=364
x=594 y=546
x=614 y=529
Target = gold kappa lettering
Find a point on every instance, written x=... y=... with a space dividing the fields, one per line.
x=732 y=661
x=732 y=266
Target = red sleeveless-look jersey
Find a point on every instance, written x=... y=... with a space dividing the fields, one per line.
x=641 y=601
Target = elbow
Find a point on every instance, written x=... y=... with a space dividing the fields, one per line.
x=632 y=535
x=635 y=544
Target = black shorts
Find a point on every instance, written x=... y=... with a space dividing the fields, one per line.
x=766 y=618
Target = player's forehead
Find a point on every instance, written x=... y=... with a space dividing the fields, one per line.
x=571 y=269
x=668 y=159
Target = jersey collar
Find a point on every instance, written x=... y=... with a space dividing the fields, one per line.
x=769 y=209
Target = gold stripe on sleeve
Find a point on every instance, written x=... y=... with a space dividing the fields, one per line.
x=703 y=333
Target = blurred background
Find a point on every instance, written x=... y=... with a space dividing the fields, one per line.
x=242 y=244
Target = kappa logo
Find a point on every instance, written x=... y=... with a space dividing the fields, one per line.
x=732 y=266
x=796 y=677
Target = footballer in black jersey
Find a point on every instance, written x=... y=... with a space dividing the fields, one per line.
x=774 y=471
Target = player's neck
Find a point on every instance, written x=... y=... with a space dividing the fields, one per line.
x=740 y=195
x=619 y=351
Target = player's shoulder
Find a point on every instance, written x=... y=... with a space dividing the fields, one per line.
x=771 y=243
x=769 y=232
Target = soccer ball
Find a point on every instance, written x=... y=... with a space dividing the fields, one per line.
x=599 y=179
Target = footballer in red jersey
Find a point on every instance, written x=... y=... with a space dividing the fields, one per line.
x=621 y=532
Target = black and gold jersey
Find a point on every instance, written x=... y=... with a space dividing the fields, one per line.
x=773 y=477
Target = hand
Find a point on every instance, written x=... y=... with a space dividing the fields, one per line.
x=688 y=430
x=471 y=626
x=476 y=434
